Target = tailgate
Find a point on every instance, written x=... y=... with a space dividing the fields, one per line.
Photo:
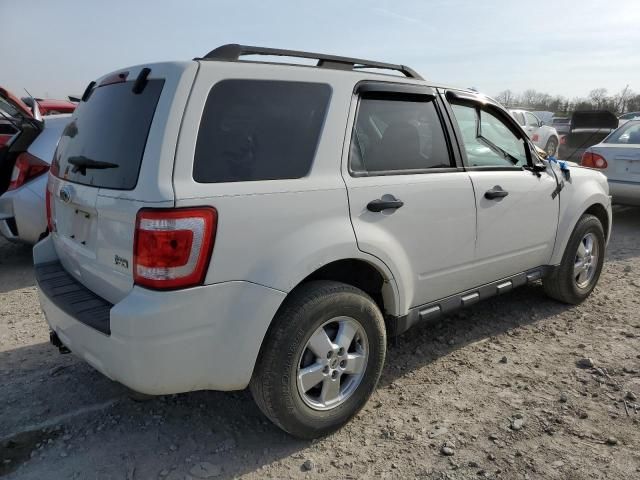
x=115 y=157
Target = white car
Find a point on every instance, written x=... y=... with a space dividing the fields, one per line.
x=618 y=157
x=541 y=135
x=270 y=225
x=22 y=206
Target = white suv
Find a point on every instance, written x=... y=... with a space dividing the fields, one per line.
x=222 y=223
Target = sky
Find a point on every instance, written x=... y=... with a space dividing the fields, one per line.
x=54 y=48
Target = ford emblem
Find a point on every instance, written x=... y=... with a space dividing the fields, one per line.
x=65 y=194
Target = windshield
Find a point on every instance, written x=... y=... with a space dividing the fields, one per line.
x=628 y=134
x=103 y=144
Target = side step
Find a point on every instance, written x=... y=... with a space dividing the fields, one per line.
x=433 y=310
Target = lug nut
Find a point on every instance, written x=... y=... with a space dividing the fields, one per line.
x=343 y=363
x=334 y=374
x=329 y=354
x=325 y=370
x=341 y=351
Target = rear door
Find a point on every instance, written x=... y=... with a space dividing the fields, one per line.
x=517 y=213
x=410 y=204
x=115 y=157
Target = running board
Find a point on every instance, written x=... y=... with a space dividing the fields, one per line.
x=433 y=310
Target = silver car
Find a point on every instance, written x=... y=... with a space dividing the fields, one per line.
x=618 y=157
x=22 y=207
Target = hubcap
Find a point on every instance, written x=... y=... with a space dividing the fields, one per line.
x=332 y=363
x=586 y=261
x=551 y=148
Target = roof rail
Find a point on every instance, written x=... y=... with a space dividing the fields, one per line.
x=232 y=53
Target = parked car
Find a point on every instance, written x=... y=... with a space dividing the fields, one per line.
x=618 y=157
x=587 y=128
x=622 y=119
x=22 y=206
x=50 y=106
x=22 y=126
x=229 y=240
x=8 y=126
x=561 y=124
x=541 y=135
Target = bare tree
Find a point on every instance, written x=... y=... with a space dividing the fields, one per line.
x=506 y=97
x=621 y=100
x=598 y=97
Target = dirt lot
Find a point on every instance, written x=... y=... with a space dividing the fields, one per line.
x=499 y=385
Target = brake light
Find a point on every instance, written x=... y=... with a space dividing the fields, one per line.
x=172 y=247
x=593 y=160
x=48 y=203
x=535 y=137
x=26 y=168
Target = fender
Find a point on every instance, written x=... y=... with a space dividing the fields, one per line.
x=586 y=188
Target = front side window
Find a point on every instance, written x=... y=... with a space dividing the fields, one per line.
x=532 y=120
x=488 y=141
x=259 y=130
x=519 y=116
x=397 y=135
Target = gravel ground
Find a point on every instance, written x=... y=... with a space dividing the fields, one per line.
x=516 y=387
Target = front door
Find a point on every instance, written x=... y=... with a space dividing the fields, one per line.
x=410 y=204
x=517 y=208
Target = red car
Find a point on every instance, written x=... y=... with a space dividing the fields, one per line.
x=51 y=107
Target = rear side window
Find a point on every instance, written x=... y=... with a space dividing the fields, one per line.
x=103 y=145
x=394 y=135
x=259 y=130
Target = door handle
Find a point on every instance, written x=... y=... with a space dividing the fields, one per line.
x=495 y=192
x=378 y=204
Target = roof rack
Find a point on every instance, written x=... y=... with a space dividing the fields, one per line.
x=232 y=53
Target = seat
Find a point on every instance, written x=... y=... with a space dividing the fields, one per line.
x=399 y=149
x=634 y=138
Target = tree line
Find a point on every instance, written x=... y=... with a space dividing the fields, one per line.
x=626 y=100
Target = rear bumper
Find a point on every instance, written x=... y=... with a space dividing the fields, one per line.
x=22 y=213
x=201 y=338
x=625 y=193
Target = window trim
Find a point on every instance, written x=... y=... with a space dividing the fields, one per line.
x=452 y=97
x=395 y=92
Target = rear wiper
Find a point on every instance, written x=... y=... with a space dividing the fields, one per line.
x=81 y=164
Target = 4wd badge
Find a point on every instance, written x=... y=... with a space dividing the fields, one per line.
x=121 y=262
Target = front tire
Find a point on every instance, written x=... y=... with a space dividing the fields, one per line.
x=579 y=271
x=321 y=359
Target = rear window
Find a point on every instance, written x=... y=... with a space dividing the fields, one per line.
x=108 y=135
x=259 y=130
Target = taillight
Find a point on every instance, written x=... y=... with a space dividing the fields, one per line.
x=593 y=160
x=26 y=168
x=535 y=137
x=172 y=247
x=48 y=203
x=563 y=140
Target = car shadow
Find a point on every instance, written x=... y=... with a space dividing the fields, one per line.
x=625 y=239
x=222 y=428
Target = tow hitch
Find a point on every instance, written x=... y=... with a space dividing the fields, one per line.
x=54 y=339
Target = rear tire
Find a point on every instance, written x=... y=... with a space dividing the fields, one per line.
x=577 y=275
x=303 y=390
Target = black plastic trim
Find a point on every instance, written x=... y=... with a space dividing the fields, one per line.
x=433 y=310
x=233 y=51
x=13 y=227
x=395 y=89
x=72 y=297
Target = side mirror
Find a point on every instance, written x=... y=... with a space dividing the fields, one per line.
x=35 y=109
